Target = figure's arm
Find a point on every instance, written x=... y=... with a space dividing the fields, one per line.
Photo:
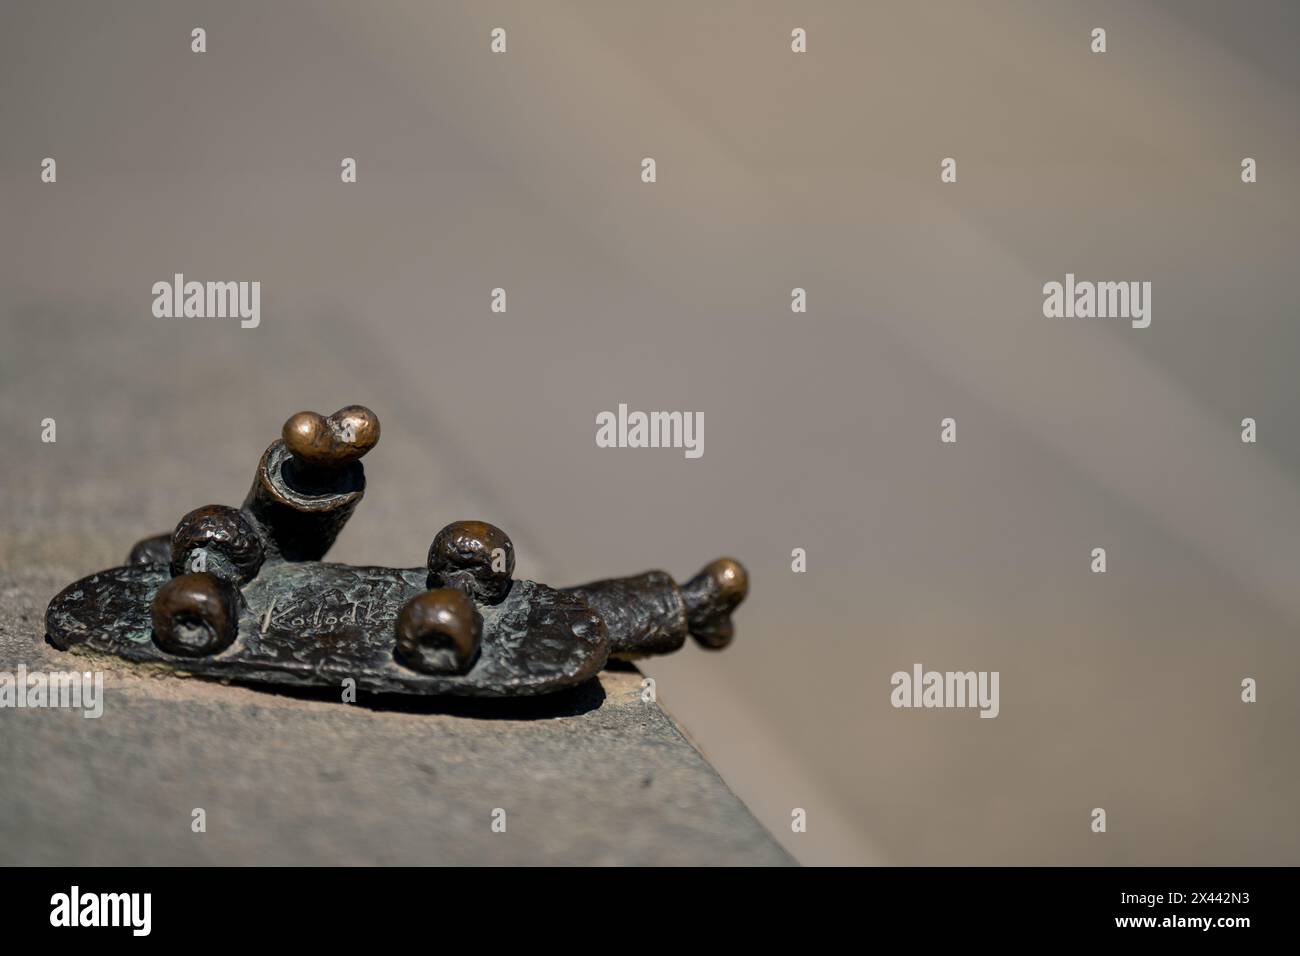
x=309 y=482
x=306 y=487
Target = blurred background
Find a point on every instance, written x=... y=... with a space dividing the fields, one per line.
x=775 y=171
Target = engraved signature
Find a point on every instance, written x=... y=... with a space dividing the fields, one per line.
x=327 y=611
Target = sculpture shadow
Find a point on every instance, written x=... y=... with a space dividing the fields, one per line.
x=571 y=702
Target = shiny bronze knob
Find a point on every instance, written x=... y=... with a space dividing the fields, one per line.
x=710 y=598
x=195 y=615
x=219 y=539
x=318 y=441
x=475 y=557
x=438 y=632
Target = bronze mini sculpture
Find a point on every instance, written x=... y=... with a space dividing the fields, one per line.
x=243 y=593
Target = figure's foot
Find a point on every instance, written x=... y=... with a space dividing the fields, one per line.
x=438 y=632
x=710 y=598
x=651 y=614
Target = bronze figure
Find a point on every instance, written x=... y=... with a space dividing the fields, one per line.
x=243 y=593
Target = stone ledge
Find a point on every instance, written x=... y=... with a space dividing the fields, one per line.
x=595 y=776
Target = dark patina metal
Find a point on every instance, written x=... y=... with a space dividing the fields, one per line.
x=242 y=593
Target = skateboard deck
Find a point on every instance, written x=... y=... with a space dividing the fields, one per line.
x=317 y=623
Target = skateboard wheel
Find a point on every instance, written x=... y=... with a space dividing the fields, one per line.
x=195 y=615
x=219 y=539
x=438 y=632
x=474 y=557
x=155 y=549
